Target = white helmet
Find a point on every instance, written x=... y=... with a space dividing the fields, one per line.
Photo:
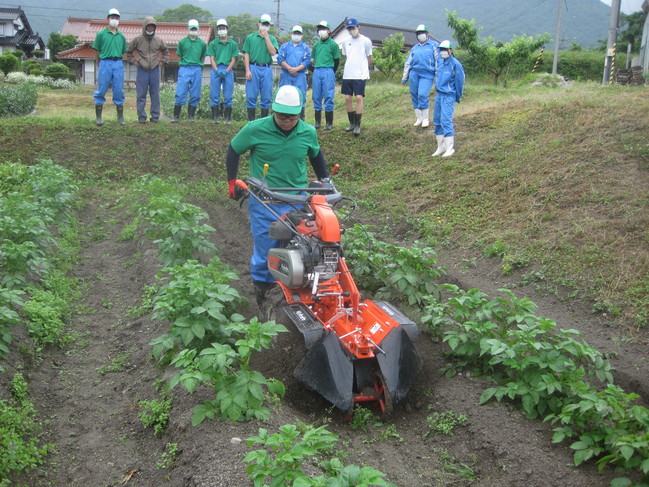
x=297 y=28
x=113 y=11
x=288 y=99
x=446 y=45
x=221 y=22
x=193 y=24
x=265 y=18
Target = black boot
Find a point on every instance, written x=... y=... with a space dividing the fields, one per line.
x=302 y=114
x=357 y=127
x=329 y=119
x=191 y=111
x=251 y=114
x=264 y=112
x=261 y=288
x=227 y=114
x=98 y=109
x=318 y=119
x=215 y=114
x=120 y=114
x=177 y=109
x=352 y=121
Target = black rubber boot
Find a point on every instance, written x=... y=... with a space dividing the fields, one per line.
x=215 y=114
x=352 y=121
x=98 y=109
x=191 y=111
x=120 y=114
x=357 y=127
x=227 y=114
x=177 y=109
x=251 y=114
x=329 y=119
x=261 y=288
x=264 y=112
x=318 y=119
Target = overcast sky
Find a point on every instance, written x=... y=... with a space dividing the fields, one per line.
x=628 y=6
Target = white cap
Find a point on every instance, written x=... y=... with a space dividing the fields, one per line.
x=288 y=99
x=324 y=23
x=221 y=22
x=265 y=18
x=297 y=28
x=113 y=11
x=193 y=24
x=421 y=28
x=446 y=45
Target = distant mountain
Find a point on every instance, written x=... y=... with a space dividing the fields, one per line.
x=584 y=22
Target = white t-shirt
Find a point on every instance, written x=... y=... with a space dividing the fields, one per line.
x=357 y=50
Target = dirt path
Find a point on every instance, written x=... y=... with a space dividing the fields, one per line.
x=93 y=412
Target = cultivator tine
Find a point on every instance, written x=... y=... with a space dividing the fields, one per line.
x=400 y=363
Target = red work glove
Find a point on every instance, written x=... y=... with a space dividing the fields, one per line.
x=232 y=189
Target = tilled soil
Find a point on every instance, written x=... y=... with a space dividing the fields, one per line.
x=92 y=412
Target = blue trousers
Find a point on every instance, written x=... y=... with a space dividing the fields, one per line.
x=324 y=87
x=111 y=74
x=190 y=79
x=298 y=81
x=217 y=83
x=261 y=85
x=147 y=81
x=420 y=86
x=443 y=115
x=260 y=220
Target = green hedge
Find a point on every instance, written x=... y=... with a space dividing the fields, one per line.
x=17 y=100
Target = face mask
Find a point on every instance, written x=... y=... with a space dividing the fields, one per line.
x=264 y=27
x=353 y=32
x=296 y=38
x=193 y=33
x=113 y=23
x=444 y=54
x=323 y=34
x=223 y=32
x=422 y=37
x=150 y=32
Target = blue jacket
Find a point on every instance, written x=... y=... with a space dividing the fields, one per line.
x=450 y=77
x=422 y=59
x=294 y=55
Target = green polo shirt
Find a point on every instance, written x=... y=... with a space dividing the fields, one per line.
x=109 y=44
x=285 y=155
x=255 y=46
x=191 y=52
x=324 y=53
x=223 y=52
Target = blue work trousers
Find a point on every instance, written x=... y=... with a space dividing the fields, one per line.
x=111 y=74
x=324 y=87
x=443 y=114
x=298 y=81
x=260 y=220
x=261 y=85
x=190 y=79
x=217 y=83
x=147 y=81
x=420 y=86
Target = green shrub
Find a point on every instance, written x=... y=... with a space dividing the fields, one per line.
x=17 y=100
x=30 y=64
x=9 y=63
x=57 y=71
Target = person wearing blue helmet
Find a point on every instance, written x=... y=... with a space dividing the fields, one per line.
x=295 y=57
x=449 y=86
x=419 y=70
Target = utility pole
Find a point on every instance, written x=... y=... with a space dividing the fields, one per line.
x=277 y=21
x=612 y=41
x=557 y=39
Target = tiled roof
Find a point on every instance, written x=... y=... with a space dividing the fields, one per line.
x=9 y=13
x=84 y=51
x=74 y=26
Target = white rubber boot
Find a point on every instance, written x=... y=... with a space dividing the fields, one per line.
x=441 y=145
x=449 y=147
x=418 y=115
x=424 y=118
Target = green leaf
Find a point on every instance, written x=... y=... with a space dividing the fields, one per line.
x=487 y=395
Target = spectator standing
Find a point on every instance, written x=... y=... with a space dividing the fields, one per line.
x=152 y=52
x=358 y=52
x=420 y=69
x=282 y=141
x=223 y=53
x=191 y=50
x=258 y=51
x=295 y=57
x=450 y=85
x=324 y=59
x=110 y=45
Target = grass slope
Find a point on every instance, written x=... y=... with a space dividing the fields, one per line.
x=552 y=181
